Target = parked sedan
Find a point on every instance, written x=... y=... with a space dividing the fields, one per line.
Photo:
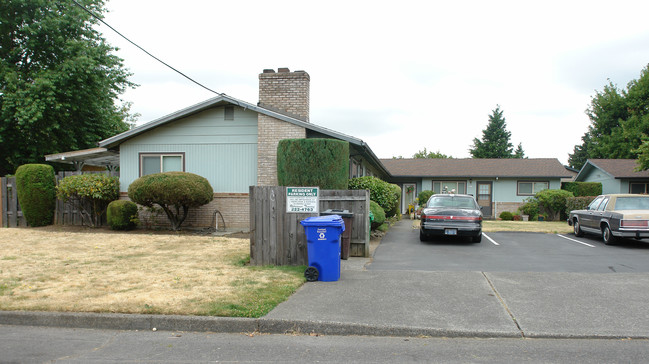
x=613 y=216
x=451 y=215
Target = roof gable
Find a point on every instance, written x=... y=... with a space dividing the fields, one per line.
x=473 y=167
x=616 y=168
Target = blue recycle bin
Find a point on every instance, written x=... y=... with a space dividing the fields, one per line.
x=323 y=235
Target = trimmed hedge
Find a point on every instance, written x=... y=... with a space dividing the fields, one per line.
x=583 y=188
x=122 y=215
x=507 y=216
x=379 y=215
x=175 y=192
x=36 y=191
x=381 y=192
x=313 y=162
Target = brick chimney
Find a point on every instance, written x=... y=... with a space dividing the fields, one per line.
x=285 y=92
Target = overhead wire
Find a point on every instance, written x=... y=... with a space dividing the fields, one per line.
x=144 y=50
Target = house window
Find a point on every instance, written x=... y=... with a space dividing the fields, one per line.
x=527 y=188
x=449 y=186
x=639 y=188
x=155 y=163
x=229 y=113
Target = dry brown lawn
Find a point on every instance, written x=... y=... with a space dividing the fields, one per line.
x=96 y=270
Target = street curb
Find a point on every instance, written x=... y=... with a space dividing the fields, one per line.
x=135 y=322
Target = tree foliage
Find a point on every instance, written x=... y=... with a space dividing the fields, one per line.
x=58 y=81
x=431 y=155
x=174 y=192
x=495 y=142
x=619 y=125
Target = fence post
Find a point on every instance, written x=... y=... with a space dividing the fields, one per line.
x=3 y=204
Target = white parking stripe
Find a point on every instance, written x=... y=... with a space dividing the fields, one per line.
x=490 y=239
x=576 y=241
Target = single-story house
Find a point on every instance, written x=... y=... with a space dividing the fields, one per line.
x=498 y=184
x=615 y=175
x=230 y=142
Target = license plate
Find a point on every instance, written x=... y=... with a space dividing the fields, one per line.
x=450 y=231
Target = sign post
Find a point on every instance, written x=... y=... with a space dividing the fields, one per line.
x=302 y=200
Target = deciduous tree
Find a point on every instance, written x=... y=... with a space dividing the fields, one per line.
x=59 y=81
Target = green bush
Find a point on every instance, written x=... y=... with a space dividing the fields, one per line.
x=396 y=209
x=424 y=196
x=122 y=215
x=91 y=194
x=174 y=192
x=553 y=202
x=583 y=188
x=531 y=208
x=381 y=192
x=578 y=203
x=379 y=214
x=313 y=162
x=507 y=216
x=36 y=191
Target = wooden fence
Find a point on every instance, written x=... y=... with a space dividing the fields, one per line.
x=277 y=238
x=12 y=216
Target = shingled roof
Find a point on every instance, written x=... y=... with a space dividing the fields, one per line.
x=470 y=167
x=617 y=168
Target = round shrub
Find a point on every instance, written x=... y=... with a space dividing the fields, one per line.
x=122 y=215
x=36 y=191
x=396 y=209
x=530 y=208
x=553 y=202
x=379 y=215
x=175 y=192
x=507 y=216
x=424 y=196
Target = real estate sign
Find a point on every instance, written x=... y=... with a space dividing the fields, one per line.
x=303 y=199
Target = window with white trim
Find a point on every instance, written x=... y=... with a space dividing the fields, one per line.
x=529 y=188
x=458 y=187
x=161 y=162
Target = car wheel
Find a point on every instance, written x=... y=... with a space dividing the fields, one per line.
x=422 y=236
x=577 y=226
x=608 y=237
x=477 y=238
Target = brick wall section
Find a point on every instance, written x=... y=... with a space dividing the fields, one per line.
x=507 y=206
x=235 y=208
x=285 y=91
x=270 y=131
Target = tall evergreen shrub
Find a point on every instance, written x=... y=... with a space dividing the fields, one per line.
x=36 y=189
x=313 y=162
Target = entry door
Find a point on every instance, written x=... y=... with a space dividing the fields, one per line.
x=409 y=195
x=484 y=197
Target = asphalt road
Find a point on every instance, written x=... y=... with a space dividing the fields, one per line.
x=512 y=252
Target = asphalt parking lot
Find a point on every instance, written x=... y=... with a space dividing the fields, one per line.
x=513 y=252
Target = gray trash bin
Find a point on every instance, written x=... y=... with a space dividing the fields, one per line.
x=347 y=234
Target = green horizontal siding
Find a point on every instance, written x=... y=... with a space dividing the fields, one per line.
x=223 y=151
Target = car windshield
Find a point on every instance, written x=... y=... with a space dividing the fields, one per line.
x=459 y=202
x=632 y=203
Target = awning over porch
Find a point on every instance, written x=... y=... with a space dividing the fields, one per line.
x=99 y=157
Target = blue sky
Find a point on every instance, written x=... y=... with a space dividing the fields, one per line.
x=401 y=76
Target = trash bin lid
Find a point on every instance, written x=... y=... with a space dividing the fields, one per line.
x=329 y=220
x=343 y=213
